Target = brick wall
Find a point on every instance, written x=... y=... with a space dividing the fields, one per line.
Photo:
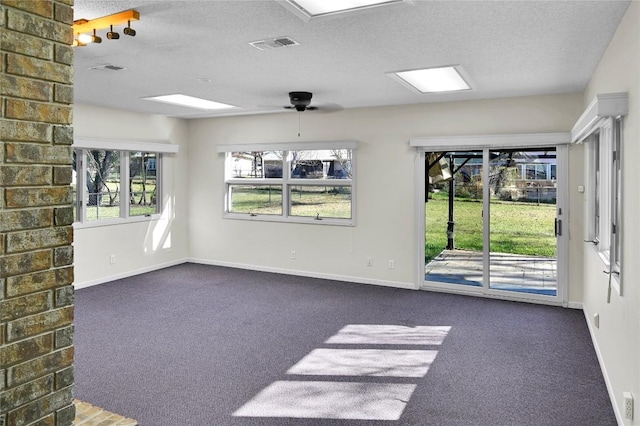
x=36 y=213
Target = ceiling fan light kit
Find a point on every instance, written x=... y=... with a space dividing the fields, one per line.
x=85 y=29
x=300 y=101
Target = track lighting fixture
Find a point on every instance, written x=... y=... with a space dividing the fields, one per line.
x=111 y=35
x=95 y=38
x=129 y=31
x=84 y=28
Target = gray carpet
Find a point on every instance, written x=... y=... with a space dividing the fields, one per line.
x=192 y=344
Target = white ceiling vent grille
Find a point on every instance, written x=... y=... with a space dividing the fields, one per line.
x=274 y=43
x=108 y=67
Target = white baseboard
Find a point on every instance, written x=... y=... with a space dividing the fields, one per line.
x=346 y=278
x=575 y=305
x=603 y=368
x=128 y=274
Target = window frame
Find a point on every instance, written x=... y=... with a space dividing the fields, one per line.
x=616 y=194
x=287 y=182
x=604 y=195
x=82 y=146
x=537 y=169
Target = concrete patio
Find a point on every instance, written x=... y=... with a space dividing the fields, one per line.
x=509 y=272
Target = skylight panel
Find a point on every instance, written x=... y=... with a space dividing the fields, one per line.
x=434 y=80
x=189 y=101
x=314 y=8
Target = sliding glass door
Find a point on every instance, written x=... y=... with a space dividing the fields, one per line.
x=493 y=221
x=454 y=223
x=522 y=221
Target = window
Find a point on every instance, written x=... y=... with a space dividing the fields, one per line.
x=143 y=183
x=535 y=172
x=600 y=128
x=616 y=247
x=604 y=195
x=112 y=184
x=291 y=182
x=101 y=189
x=597 y=188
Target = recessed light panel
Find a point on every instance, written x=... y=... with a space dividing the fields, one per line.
x=325 y=7
x=433 y=80
x=189 y=101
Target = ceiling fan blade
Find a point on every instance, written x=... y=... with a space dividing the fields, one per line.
x=329 y=107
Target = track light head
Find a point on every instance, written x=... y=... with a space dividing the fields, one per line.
x=84 y=39
x=95 y=38
x=111 y=35
x=78 y=41
x=129 y=31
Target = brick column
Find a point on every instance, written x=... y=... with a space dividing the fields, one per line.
x=36 y=212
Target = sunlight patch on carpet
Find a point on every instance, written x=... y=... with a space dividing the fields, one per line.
x=365 y=362
x=329 y=400
x=373 y=334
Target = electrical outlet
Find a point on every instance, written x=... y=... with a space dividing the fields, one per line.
x=392 y=264
x=596 y=320
x=628 y=405
x=112 y=259
x=293 y=255
x=369 y=262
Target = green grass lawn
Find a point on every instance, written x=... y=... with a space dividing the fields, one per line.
x=256 y=200
x=310 y=201
x=331 y=201
x=519 y=228
x=109 y=209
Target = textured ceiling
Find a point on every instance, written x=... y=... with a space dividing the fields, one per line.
x=506 y=48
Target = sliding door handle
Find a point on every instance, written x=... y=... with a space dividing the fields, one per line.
x=557 y=227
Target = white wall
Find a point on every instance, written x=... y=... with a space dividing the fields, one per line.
x=618 y=337
x=140 y=246
x=385 y=183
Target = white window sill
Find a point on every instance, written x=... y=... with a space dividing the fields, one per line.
x=606 y=264
x=116 y=221
x=291 y=219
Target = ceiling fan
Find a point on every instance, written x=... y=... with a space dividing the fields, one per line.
x=300 y=101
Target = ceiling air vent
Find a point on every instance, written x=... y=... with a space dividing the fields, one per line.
x=274 y=43
x=108 y=68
